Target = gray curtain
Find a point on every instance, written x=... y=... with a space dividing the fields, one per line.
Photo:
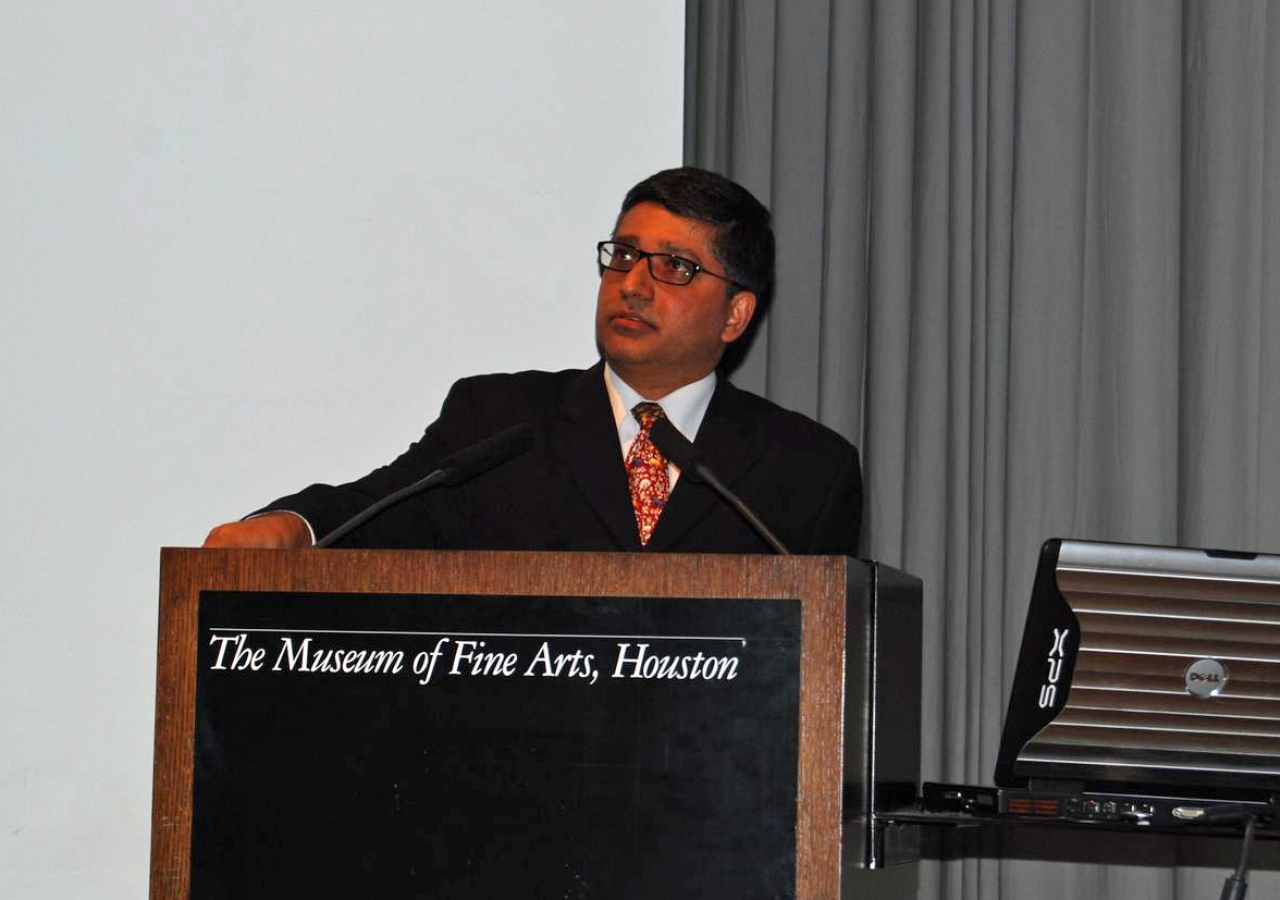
x=1030 y=263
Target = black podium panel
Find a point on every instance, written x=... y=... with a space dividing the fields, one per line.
x=396 y=746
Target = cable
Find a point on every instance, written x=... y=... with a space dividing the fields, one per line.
x=1235 y=886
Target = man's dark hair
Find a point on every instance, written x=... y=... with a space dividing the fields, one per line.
x=744 y=238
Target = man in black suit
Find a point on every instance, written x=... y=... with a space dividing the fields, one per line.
x=689 y=264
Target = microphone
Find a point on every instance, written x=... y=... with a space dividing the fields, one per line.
x=462 y=466
x=677 y=448
x=486 y=454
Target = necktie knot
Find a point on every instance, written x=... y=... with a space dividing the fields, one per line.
x=646 y=414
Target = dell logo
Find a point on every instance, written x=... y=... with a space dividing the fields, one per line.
x=1205 y=678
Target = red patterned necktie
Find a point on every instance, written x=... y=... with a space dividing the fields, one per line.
x=647 y=472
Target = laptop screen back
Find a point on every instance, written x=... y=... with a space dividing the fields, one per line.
x=1148 y=669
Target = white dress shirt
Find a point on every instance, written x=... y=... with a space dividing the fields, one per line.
x=684 y=407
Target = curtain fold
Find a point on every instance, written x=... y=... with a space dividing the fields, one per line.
x=1028 y=262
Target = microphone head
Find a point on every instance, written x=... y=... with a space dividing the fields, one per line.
x=676 y=448
x=487 y=454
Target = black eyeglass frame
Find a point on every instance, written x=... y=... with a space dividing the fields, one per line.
x=648 y=259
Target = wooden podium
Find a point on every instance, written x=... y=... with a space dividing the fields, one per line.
x=341 y=723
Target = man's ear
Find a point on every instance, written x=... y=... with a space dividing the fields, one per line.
x=742 y=306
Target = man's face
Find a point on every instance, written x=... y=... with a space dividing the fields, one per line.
x=658 y=336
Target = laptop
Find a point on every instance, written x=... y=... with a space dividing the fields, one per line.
x=1147 y=691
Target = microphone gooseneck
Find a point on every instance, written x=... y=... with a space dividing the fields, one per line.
x=688 y=459
x=455 y=469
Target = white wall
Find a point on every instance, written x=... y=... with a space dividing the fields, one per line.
x=244 y=246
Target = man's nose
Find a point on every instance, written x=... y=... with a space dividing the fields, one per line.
x=638 y=281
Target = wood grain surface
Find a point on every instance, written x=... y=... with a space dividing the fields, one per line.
x=820 y=583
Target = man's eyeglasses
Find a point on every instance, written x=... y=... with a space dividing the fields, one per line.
x=662 y=266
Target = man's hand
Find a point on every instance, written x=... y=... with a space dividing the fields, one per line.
x=272 y=531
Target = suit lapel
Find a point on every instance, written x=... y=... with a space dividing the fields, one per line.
x=587 y=441
x=727 y=440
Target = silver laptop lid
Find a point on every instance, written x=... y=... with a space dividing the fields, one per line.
x=1148 y=669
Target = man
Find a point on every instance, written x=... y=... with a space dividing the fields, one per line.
x=689 y=265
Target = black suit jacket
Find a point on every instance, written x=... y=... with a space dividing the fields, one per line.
x=569 y=492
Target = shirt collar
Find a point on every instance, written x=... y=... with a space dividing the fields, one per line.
x=685 y=407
